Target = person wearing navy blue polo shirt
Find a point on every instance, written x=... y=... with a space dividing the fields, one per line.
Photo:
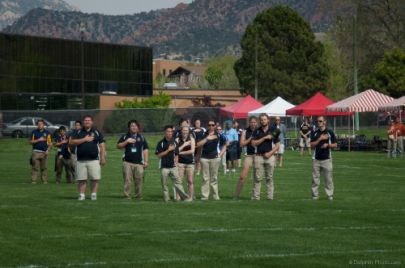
x=41 y=142
x=210 y=160
x=90 y=157
x=322 y=140
x=135 y=159
x=265 y=160
x=167 y=151
x=63 y=157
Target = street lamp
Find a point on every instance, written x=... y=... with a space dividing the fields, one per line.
x=82 y=30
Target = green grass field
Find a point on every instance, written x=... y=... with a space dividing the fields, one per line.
x=45 y=225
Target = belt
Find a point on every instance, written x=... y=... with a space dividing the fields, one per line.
x=260 y=154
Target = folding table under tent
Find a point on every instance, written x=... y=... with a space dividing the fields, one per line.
x=276 y=107
x=240 y=109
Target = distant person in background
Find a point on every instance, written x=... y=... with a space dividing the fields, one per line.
x=90 y=157
x=167 y=151
x=73 y=149
x=135 y=159
x=210 y=160
x=63 y=157
x=400 y=128
x=245 y=141
x=283 y=133
x=232 y=144
x=322 y=140
x=199 y=132
x=391 y=139
x=223 y=158
x=41 y=141
x=239 y=130
x=186 y=163
x=305 y=133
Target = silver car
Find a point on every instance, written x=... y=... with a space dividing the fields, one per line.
x=22 y=127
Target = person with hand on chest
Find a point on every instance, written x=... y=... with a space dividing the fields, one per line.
x=90 y=157
x=267 y=144
x=322 y=140
x=135 y=159
x=210 y=160
x=41 y=142
x=167 y=151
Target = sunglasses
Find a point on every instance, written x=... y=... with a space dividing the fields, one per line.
x=320 y=121
x=211 y=125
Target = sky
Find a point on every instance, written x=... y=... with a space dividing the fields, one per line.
x=120 y=7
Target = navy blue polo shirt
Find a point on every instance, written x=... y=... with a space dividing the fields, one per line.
x=321 y=153
x=199 y=134
x=250 y=150
x=64 y=148
x=89 y=151
x=188 y=158
x=212 y=148
x=305 y=128
x=168 y=160
x=41 y=146
x=267 y=145
x=134 y=152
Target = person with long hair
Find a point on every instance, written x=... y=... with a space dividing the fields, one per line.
x=246 y=139
x=199 y=132
x=186 y=158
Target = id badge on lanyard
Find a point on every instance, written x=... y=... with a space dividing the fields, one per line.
x=133 y=149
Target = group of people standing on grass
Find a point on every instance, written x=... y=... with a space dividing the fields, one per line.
x=181 y=152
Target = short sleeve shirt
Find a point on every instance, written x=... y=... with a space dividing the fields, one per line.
x=305 y=128
x=64 y=148
x=267 y=145
x=168 y=160
x=186 y=158
x=90 y=150
x=41 y=146
x=133 y=153
x=320 y=153
x=250 y=150
x=211 y=148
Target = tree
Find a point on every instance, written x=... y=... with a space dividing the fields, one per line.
x=158 y=101
x=389 y=74
x=290 y=62
x=220 y=72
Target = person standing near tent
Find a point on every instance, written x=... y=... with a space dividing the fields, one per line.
x=232 y=144
x=223 y=158
x=283 y=133
x=305 y=140
x=135 y=159
x=210 y=160
x=400 y=134
x=391 y=139
x=246 y=140
x=239 y=130
x=322 y=140
x=266 y=141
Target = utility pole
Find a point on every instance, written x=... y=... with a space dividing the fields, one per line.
x=82 y=29
x=256 y=76
x=355 y=80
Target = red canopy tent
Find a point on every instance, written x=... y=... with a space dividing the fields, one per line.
x=314 y=106
x=240 y=109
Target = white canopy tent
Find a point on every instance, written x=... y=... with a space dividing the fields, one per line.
x=277 y=107
x=397 y=105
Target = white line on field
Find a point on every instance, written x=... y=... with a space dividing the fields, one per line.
x=199 y=259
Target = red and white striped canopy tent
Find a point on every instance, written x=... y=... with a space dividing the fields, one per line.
x=367 y=101
x=395 y=105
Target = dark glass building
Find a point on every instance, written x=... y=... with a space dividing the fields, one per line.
x=48 y=73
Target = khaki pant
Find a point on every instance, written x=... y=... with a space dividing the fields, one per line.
x=326 y=166
x=173 y=173
x=39 y=161
x=69 y=169
x=263 y=166
x=132 y=172
x=210 y=178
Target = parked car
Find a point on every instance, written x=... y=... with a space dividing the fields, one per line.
x=22 y=127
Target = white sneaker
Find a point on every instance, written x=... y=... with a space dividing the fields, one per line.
x=233 y=170
x=93 y=196
x=81 y=197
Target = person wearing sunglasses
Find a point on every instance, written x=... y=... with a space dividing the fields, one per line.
x=322 y=140
x=210 y=160
x=267 y=144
